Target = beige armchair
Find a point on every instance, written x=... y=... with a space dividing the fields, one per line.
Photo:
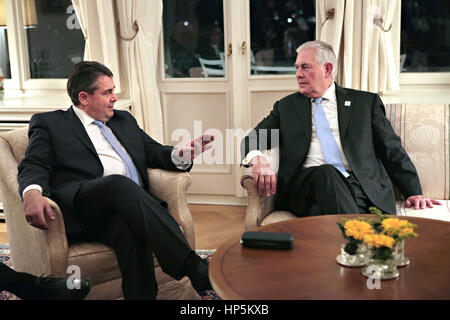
x=47 y=252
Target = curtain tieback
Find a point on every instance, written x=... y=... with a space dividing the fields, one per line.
x=378 y=21
x=329 y=15
x=135 y=28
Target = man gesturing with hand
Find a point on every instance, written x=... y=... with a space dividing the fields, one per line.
x=92 y=160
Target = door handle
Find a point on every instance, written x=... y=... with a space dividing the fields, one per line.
x=243 y=48
x=229 y=49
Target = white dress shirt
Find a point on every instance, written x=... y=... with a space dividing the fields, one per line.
x=111 y=161
x=315 y=154
x=329 y=105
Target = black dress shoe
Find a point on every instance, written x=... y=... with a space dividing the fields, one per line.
x=49 y=288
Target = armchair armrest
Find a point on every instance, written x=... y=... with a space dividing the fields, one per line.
x=172 y=187
x=253 y=216
x=259 y=207
x=58 y=246
x=32 y=250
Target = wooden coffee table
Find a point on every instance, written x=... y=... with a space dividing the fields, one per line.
x=310 y=271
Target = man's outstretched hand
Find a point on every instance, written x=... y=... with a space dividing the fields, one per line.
x=419 y=202
x=200 y=144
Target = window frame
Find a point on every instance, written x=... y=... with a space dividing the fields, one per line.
x=432 y=80
x=21 y=81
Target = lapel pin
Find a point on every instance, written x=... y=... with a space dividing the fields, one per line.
x=347 y=103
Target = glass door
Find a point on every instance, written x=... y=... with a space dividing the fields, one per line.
x=252 y=44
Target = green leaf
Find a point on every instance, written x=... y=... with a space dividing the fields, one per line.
x=351 y=247
x=343 y=231
x=382 y=253
x=378 y=213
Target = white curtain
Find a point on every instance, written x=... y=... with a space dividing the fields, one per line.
x=366 y=59
x=329 y=25
x=96 y=18
x=378 y=68
x=140 y=29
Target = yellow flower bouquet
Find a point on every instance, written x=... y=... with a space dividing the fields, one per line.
x=354 y=252
x=354 y=231
x=387 y=244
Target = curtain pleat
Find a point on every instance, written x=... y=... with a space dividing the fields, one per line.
x=361 y=36
x=141 y=57
x=97 y=21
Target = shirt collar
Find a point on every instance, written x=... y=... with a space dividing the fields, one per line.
x=330 y=94
x=83 y=116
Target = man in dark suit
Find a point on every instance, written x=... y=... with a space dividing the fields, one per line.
x=92 y=160
x=337 y=149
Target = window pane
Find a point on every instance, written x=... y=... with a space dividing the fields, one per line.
x=55 y=40
x=277 y=29
x=5 y=67
x=425 y=37
x=193 y=38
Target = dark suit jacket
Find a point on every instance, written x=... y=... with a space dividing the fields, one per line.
x=61 y=157
x=370 y=145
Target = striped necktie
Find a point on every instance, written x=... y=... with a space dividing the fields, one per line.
x=328 y=144
x=129 y=165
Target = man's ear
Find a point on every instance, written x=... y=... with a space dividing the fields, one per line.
x=328 y=69
x=83 y=96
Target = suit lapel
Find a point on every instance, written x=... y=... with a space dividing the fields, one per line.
x=303 y=111
x=129 y=141
x=345 y=110
x=126 y=137
x=74 y=123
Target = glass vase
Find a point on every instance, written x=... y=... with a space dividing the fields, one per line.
x=381 y=269
x=359 y=259
x=399 y=254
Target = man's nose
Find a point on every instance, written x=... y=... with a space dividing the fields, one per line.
x=114 y=98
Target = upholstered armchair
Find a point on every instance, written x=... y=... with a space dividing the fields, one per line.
x=425 y=133
x=47 y=252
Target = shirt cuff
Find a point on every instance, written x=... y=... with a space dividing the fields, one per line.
x=178 y=161
x=254 y=153
x=31 y=187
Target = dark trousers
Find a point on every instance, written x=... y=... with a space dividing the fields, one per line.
x=324 y=190
x=19 y=283
x=124 y=216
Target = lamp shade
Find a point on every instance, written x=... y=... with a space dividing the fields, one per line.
x=2 y=14
x=29 y=13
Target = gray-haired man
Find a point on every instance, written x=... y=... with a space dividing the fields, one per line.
x=338 y=151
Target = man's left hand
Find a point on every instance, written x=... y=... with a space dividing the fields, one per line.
x=200 y=144
x=419 y=202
